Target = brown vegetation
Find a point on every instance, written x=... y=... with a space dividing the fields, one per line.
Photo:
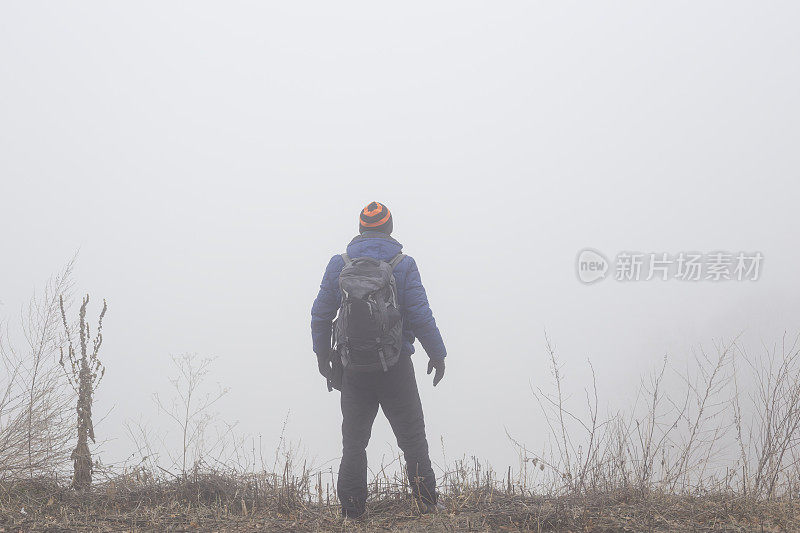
x=84 y=374
x=473 y=500
x=35 y=427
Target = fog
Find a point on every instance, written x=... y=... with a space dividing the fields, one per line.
x=207 y=159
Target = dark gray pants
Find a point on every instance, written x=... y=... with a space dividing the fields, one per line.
x=396 y=393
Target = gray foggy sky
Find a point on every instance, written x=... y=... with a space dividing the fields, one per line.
x=208 y=158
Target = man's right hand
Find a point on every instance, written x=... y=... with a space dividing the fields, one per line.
x=324 y=364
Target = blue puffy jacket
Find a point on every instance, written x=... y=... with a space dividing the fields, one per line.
x=417 y=316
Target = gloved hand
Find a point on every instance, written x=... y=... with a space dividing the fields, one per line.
x=438 y=364
x=331 y=370
x=324 y=364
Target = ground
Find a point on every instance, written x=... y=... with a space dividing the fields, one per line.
x=60 y=509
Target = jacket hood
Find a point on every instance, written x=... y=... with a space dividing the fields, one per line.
x=374 y=244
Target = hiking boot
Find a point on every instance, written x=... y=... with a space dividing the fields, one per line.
x=351 y=515
x=430 y=508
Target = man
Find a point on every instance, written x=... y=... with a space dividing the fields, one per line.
x=393 y=388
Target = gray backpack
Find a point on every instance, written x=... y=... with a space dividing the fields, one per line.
x=368 y=331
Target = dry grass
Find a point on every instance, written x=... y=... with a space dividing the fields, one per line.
x=216 y=501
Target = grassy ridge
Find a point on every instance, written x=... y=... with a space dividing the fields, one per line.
x=230 y=502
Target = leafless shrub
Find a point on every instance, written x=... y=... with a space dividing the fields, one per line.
x=718 y=430
x=84 y=373
x=208 y=462
x=192 y=413
x=769 y=442
x=34 y=402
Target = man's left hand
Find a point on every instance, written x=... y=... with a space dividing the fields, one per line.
x=438 y=364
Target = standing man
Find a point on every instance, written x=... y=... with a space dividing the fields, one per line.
x=375 y=294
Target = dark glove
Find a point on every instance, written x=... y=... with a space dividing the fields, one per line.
x=438 y=364
x=331 y=371
x=324 y=364
x=337 y=372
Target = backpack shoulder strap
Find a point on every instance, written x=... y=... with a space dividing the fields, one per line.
x=396 y=260
x=346 y=259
